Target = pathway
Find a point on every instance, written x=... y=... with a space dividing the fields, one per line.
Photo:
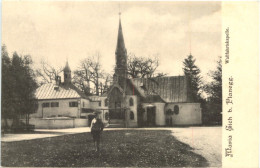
x=42 y=133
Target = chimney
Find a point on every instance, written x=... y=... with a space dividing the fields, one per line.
x=58 y=80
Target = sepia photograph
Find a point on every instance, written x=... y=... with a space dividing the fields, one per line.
x=111 y=84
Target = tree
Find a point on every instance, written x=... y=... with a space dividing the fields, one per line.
x=193 y=74
x=81 y=80
x=8 y=106
x=18 y=87
x=90 y=77
x=141 y=67
x=214 y=90
x=47 y=73
x=104 y=85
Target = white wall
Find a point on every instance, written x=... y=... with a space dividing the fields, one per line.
x=159 y=115
x=63 y=108
x=79 y=122
x=85 y=103
x=189 y=114
x=132 y=123
x=58 y=123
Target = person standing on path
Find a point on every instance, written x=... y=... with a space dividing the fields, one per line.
x=96 y=128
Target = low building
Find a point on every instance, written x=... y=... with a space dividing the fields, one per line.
x=62 y=105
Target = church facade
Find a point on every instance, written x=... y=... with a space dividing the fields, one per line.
x=142 y=102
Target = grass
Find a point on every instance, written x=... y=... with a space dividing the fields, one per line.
x=124 y=148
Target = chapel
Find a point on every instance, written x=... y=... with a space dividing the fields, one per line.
x=149 y=102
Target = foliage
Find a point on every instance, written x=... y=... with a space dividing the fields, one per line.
x=18 y=85
x=141 y=67
x=193 y=74
x=8 y=83
x=214 y=90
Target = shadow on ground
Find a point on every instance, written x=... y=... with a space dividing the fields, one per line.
x=123 y=148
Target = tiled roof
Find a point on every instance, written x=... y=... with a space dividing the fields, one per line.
x=152 y=98
x=169 y=88
x=63 y=91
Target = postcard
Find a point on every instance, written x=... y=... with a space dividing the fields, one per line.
x=130 y=84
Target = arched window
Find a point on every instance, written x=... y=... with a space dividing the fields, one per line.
x=106 y=116
x=106 y=102
x=131 y=102
x=132 y=115
x=176 y=109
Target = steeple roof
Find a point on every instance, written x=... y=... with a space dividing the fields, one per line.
x=67 y=67
x=120 y=39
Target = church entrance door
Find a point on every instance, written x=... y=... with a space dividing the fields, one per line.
x=150 y=116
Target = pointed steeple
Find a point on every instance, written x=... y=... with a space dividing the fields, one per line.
x=67 y=67
x=67 y=73
x=121 y=58
x=120 y=47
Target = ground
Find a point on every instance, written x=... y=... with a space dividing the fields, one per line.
x=206 y=141
x=160 y=147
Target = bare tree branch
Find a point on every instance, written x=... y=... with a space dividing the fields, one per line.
x=89 y=76
x=47 y=73
x=141 y=67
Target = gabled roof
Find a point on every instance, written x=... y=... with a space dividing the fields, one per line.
x=169 y=88
x=62 y=91
x=115 y=85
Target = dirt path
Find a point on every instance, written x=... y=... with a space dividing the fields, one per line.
x=206 y=141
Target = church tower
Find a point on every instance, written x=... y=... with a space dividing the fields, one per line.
x=67 y=74
x=120 y=75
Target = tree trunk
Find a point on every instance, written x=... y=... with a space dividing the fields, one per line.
x=101 y=89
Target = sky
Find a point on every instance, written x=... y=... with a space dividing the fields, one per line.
x=55 y=31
